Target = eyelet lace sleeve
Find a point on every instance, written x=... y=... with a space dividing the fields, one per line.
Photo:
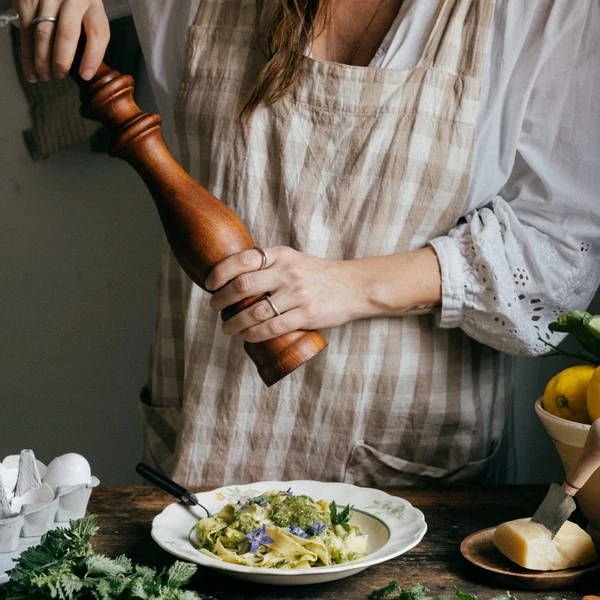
x=503 y=281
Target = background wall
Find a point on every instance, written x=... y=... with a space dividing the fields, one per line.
x=79 y=245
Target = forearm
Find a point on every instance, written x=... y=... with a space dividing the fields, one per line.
x=408 y=283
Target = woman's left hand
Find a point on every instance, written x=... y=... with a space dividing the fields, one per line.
x=305 y=292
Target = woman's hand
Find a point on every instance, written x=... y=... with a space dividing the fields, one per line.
x=48 y=47
x=305 y=292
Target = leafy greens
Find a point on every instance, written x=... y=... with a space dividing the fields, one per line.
x=64 y=566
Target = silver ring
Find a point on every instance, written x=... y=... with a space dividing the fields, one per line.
x=39 y=20
x=277 y=313
x=263 y=255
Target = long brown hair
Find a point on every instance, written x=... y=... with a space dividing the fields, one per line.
x=292 y=27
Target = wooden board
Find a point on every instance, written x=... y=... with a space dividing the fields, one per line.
x=479 y=549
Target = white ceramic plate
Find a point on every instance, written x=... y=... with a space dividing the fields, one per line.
x=393 y=525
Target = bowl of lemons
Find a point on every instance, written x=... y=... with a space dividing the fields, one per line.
x=571 y=402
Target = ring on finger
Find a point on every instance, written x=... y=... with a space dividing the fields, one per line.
x=263 y=255
x=275 y=310
x=39 y=20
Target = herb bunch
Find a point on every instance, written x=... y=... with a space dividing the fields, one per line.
x=64 y=566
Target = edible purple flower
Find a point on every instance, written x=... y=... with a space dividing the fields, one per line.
x=287 y=492
x=297 y=530
x=260 y=500
x=318 y=528
x=258 y=537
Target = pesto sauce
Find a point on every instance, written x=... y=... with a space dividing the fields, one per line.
x=297 y=510
x=243 y=522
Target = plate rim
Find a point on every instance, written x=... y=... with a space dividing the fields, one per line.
x=418 y=523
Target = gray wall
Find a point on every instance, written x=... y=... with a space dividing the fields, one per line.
x=79 y=245
x=79 y=241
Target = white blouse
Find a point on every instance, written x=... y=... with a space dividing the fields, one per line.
x=528 y=245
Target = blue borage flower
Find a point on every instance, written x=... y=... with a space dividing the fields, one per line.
x=318 y=528
x=296 y=530
x=258 y=537
x=287 y=492
x=246 y=501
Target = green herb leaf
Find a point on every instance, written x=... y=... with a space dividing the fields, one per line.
x=383 y=592
x=342 y=518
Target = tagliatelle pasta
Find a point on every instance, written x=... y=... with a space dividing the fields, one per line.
x=278 y=530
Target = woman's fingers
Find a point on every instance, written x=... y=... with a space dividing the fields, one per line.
x=266 y=309
x=27 y=12
x=237 y=264
x=44 y=33
x=97 y=31
x=48 y=47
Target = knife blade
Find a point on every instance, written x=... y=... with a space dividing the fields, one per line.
x=558 y=504
x=555 y=509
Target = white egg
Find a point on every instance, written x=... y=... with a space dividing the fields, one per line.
x=68 y=469
x=34 y=496
x=9 y=478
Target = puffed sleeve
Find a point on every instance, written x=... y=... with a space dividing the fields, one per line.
x=512 y=265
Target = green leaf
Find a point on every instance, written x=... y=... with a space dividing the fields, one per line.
x=462 y=596
x=584 y=326
x=342 y=518
x=383 y=592
x=179 y=574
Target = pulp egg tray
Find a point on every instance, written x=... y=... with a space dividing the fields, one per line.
x=35 y=498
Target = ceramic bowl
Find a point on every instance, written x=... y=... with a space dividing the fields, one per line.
x=569 y=438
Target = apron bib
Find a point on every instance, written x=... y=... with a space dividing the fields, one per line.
x=355 y=162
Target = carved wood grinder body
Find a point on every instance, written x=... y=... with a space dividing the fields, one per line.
x=201 y=230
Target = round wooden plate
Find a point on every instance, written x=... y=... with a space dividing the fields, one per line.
x=479 y=549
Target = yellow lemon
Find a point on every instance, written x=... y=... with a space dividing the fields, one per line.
x=593 y=395
x=566 y=394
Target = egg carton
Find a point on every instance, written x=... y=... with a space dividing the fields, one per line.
x=38 y=500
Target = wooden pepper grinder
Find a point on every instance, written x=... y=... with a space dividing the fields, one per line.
x=200 y=229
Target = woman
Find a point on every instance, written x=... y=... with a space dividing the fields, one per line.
x=423 y=179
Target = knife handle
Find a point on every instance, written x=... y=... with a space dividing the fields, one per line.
x=587 y=461
x=166 y=484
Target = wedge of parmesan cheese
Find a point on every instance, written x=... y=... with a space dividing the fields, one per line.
x=531 y=546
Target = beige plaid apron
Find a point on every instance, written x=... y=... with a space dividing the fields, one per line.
x=356 y=162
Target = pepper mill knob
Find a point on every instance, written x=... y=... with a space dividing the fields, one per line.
x=201 y=230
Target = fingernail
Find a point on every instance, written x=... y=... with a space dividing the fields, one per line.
x=87 y=74
x=208 y=285
x=31 y=77
x=44 y=77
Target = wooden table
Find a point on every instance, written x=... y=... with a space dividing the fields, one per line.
x=125 y=516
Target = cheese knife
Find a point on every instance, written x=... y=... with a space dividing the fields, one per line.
x=558 y=504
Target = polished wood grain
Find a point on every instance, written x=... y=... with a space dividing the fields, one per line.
x=452 y=513
x=201 y=230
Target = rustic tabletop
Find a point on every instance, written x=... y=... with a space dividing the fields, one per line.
x=452 y=513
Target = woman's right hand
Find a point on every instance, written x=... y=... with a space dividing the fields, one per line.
x=48 y=48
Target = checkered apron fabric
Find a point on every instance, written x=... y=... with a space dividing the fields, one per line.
x=355 y=162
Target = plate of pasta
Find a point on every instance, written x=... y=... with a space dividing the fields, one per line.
x=290 y=532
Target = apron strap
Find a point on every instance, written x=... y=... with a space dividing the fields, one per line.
x=459 y=37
